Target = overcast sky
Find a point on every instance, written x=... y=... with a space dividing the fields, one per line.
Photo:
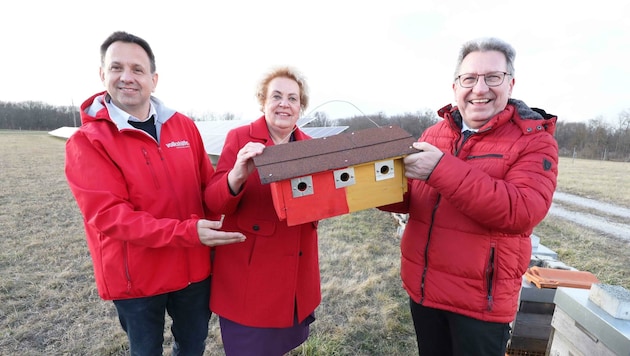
x=394 y=57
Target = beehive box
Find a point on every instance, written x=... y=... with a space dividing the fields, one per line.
x=580 y=327
x=329 y=176
x=531 y=328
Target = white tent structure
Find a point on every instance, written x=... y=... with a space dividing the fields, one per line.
x=213 y=133
x=63 y=132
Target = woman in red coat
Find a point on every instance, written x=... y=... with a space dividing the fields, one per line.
x=266 y=289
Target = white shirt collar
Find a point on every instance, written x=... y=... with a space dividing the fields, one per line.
x=119 y=115
x=466 y=128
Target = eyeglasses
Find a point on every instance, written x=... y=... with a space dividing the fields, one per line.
x=492 y=79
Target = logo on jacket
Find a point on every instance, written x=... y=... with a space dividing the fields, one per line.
x=178 y=144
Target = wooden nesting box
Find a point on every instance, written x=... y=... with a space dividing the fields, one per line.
x=329 y=176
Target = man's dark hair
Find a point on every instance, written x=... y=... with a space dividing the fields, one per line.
x=128 y=38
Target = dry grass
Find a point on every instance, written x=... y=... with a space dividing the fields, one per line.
x=587 y=250
x=602 y=180
x=49 y=301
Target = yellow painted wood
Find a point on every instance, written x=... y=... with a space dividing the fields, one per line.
x=369 y=193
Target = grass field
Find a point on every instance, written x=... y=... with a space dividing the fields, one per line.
x=50 y=305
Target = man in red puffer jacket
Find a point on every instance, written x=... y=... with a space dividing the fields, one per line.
x=484 y=178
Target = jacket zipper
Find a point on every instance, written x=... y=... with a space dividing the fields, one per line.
x=426 y=249
x=169 y=179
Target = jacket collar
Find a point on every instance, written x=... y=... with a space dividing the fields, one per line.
x=93 y=109
x=528 y=119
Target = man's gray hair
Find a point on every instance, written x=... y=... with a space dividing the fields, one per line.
x=487 y=44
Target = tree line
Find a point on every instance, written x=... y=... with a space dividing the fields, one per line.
x=595 y=139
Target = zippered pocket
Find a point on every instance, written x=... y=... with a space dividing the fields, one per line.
x=151 y=167
x=490 y=272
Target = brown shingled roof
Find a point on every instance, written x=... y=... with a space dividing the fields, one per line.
x=300 y=158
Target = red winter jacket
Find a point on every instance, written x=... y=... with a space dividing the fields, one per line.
x=140 y=201
x=257 y=282
x=467 y=242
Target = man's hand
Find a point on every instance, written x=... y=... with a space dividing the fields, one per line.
x=210 y=235
x=420 y=165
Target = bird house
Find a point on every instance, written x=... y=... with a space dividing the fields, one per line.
x=329 y=176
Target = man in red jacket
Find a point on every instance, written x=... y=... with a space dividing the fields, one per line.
x=139 y=171
x=484 y=178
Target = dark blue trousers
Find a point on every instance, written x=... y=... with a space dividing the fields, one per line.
x=143 y=320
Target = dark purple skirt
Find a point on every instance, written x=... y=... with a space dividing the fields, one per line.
x=239 y=340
